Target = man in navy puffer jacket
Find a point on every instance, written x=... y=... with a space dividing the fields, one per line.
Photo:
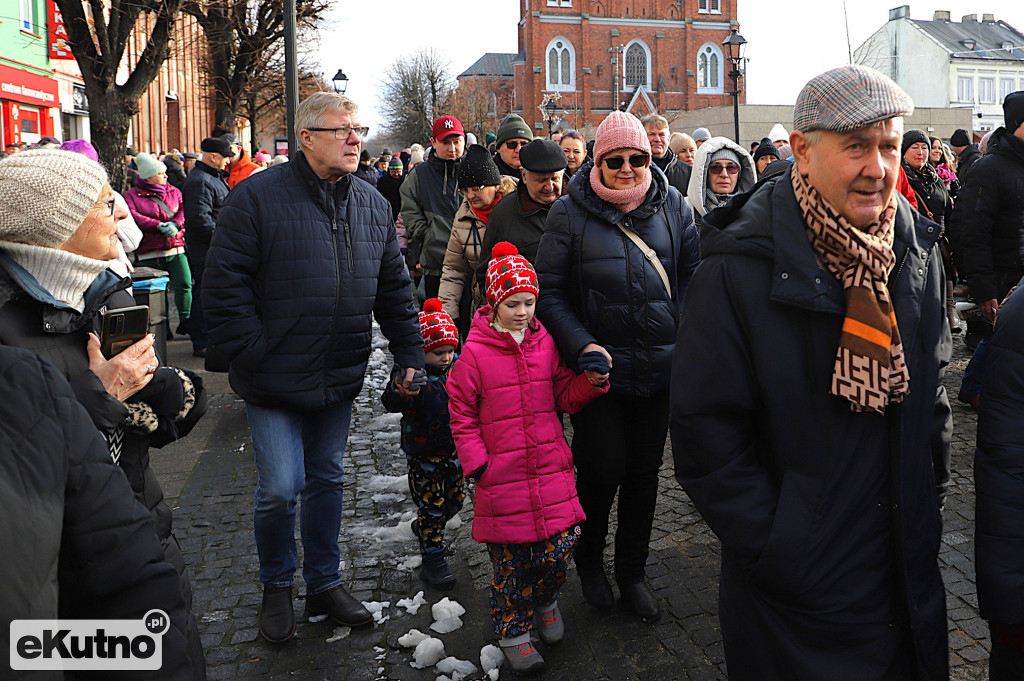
x=302 y=260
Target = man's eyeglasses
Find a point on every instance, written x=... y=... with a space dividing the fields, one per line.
x=343 y=132
x=512 y=145
x=719 y=168
x=615 y=162
x=109 y=204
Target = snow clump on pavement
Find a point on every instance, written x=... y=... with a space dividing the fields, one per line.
x=428 y=652
x=412 y=605
x=447 y=615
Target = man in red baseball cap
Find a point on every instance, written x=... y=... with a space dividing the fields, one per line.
x=430 y=199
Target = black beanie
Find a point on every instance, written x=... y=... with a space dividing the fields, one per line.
x=364 y=155
x=477 y=169
x=765 y=148
x=1013 y=111
x=960 y=138
x=911 y=137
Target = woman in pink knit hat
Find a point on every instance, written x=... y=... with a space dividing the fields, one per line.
x=606 y=303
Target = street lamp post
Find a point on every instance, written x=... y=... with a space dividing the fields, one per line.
x=340 y=82
x=735 y=43
x=550 y=108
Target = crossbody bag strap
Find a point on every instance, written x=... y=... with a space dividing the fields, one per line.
x=650 y=254
x=170 y=213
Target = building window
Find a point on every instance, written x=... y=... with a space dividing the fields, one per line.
x=965 y=89
x=28 y=15
x=559 y=3
x=1005 y=87
x=710 y=70
x=987 y=90
x=561 y=65
x=709 y=6
x=638 y=66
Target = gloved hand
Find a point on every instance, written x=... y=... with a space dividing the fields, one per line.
x=168 y=229
x=419 y=379
x=594 y=361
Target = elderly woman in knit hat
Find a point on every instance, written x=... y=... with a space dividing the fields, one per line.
x=608 y=305
x=158 y=209
x=482 y=186
x=58 y=235
x=721 y=170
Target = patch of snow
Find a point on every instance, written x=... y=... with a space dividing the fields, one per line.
x=412 y=638
x=455 y=667
x=428 y=652
x=412 y=562
x=412 y=605
x=340 y=633
x=455 y=523
x=317 y=618
x=388 y=496
x=447 y=615
x=215 y=616
x=493 y=675
x=387 y=483
x=491 y=658
x=377 y=610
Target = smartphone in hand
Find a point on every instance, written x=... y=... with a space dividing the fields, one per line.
x=122 y=328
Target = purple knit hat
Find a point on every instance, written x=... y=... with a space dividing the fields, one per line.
x=81 y=147
x=620 y=131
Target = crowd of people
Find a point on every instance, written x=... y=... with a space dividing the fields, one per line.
x=783 y=313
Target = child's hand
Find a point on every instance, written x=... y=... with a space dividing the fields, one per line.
x=408 y=382
x=595 y=378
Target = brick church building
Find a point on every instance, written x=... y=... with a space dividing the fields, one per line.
x=647 y=56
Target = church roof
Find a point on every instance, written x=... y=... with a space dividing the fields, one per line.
x=491 y=64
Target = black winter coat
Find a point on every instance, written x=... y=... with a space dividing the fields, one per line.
x=998 y=462
x=76 y=542
x=203 y=194
x=297 y=270
x=965 y=161
x=367 y=174
x=988 y=219
x=677 y=172
x=175 y=171
x=426 y=424
x=389 y=188
x=829 y=519
x=597 y=287
x=511 y=221
x=933 y=199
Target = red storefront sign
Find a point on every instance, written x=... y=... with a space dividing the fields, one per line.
x=56 y=34
x=21 y=86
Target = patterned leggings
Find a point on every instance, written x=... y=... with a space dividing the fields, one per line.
x=438 y=490
x=527 y=576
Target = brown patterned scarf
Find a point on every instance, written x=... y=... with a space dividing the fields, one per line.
x=870 y=370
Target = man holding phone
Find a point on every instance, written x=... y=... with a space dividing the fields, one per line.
x=302 y=261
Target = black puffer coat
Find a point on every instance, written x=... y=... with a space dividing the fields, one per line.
x=988 y=220
x=933 y=200
x=829 y=519
x=202 y=194
x=597 y=287
x=999 y=539
x=297 y=269
x=677 y=172
x=76 y=543
x=519 y=220
x=966 y=160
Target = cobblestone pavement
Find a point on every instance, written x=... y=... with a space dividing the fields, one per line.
x=210 y=478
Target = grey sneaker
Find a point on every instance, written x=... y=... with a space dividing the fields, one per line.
x=521 y=654
x=549 y=624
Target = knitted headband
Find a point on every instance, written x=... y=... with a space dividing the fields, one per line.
x=436 y=326
x=509 y=273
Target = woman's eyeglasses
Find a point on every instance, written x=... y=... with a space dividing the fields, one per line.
x=615 y=162
x=109 y=204
x=719 y=168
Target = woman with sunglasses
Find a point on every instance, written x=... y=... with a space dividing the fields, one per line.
x=611 y=310
x=721 y=169
x=58 y=237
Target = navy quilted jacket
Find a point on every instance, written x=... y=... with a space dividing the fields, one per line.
x=297 y=270
x=426 y=425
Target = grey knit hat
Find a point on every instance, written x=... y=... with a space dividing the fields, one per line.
x=45 y=194
x=149 y=166
x=847 y=98
x=513 y=127
x=725 y=154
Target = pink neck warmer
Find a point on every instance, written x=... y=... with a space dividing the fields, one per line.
x=626 y=200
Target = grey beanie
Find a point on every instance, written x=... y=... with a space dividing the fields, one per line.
x=725 y=154
x=513 y=127
x=149 y=166
x=46 y=194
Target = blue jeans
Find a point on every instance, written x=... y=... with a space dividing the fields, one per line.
x=299 y=453
x=970 y=384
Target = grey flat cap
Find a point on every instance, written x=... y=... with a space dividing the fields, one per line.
x=847 y=98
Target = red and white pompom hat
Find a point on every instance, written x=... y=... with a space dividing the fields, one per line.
x=509 y=273
x=436 y=326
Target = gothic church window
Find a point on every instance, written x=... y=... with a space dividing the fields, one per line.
x=710 y=70
x=638 y=66
x=561 y=65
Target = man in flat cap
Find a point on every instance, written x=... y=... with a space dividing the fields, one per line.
x=203 y=193
x=519 y=218
x=809 y=424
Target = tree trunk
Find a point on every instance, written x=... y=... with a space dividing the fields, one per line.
x=109 y=121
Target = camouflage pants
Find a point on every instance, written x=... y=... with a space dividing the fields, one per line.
x=438 y=491
x=527 y=576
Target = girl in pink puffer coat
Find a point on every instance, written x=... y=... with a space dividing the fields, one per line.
x=505 y=393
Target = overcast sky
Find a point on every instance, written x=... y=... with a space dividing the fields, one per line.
x=786 y=46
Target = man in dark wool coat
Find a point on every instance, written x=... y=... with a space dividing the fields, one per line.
x=809 y=423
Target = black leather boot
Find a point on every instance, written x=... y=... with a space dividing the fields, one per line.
x=596 y=589
x=638 y=599
x=277 y=618
x=339 y=606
